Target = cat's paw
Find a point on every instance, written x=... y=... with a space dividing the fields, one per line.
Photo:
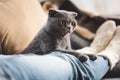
x=92 y=57
x=82 y=58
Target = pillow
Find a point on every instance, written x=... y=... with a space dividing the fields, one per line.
x=20 y=20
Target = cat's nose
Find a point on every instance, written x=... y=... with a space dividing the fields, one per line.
x=68 y=29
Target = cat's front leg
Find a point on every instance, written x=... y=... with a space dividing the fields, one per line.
x=82 y=57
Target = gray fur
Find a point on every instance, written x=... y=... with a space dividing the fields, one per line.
x=50 y=37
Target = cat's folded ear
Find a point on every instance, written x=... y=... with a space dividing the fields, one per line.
x=74 y=14
x=54 y=13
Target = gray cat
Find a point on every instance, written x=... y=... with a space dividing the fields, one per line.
x=55 y=35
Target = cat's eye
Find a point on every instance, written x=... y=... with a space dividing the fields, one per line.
x=63 y=22
x=73 y=24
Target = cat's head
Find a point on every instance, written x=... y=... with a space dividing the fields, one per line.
x=61 y=22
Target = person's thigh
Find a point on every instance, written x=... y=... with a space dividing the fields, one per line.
x=96 y=69
x=55 y=66
x=89 y=70
x=32 y=67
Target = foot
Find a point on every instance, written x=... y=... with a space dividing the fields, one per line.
x=112 y=51
x=103 y=36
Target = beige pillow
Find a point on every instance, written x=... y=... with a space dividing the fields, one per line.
x=20 y=20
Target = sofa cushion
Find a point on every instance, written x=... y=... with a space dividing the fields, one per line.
x=20 y=20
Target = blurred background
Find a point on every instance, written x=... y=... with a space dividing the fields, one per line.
x=99 y=6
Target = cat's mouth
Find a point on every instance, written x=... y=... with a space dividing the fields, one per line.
x=65 y=33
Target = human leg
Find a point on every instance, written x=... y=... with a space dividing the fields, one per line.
x=111 y=54
x=55 y=66
x=34 y=67
x=90 y=70
x=112 y=51
x=95 y=70
x=103 y=36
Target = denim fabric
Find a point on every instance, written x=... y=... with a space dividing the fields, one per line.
x=54 y=66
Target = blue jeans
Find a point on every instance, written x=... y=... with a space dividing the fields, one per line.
x=54 y=66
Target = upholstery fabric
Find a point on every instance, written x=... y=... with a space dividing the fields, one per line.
x=20 y=20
